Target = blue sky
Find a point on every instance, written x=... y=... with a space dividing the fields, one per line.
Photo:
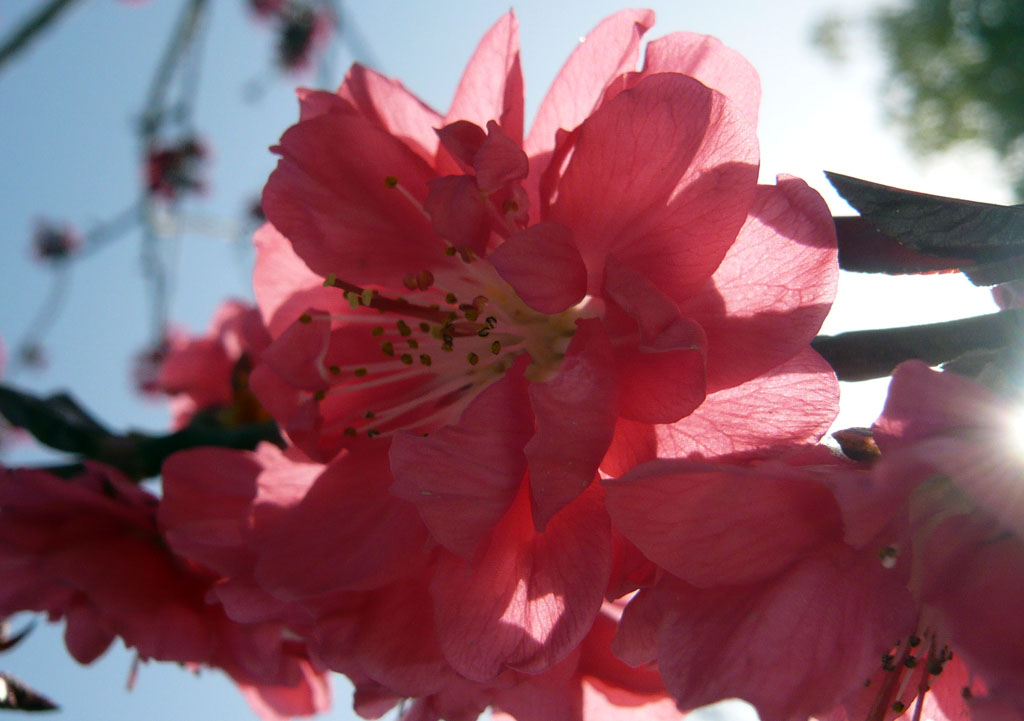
x=67 y=108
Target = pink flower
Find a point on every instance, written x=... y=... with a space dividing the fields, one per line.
x=769 y=585
x=948 y=449
x=473 y=324
x=88 y=550
x=173 y=168
x=211 y=372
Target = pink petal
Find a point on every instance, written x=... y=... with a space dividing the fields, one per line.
x=207 y=493
x=793 y=404
x=311 y=552
x=395 y=642
x=330 y=198
x=312 y=695
x=297 y=355
x=500 y=161
x=544 y=267
x=320 y=102
x=491 y=87
x=720 y=525
x=463 y=477
x=661 y=373
x=462 y=140
x=530 y=598
x=457 y=212
x=284 y=286
x=662 y=380
x=575 y=414
x=774 y=287
x=661 y=177
x=609 y=49
x=974 y=575
x=793 y=647
x=705 y=58
x=387 y=102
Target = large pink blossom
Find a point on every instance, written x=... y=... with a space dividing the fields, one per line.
x=949 y=448
x=769 y=584
x=468 y=323
x=363 y=604
x=88 y=550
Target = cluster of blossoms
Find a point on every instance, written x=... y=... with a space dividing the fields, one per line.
x=302 y=28
x=173 y=169
x=552 y=421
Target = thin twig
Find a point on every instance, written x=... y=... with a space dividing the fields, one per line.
x=35 y=24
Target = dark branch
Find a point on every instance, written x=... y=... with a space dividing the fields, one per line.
x=35 y=24
x=865 y=354
x=60 y=423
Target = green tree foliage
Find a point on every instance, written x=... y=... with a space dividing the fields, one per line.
x=958 y=74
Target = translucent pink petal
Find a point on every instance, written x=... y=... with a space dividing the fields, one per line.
x=207 y=493
x=284 y=286
x=774 y=287
x=297 y=355
x=463 y=477
x=457 y=212
x=329 y=197
x=310 y=551
x=795 y=403
x=544 y=267
x=500 y=161
x=320 y=102
x=720 y=525
x=923 y=403
x=611 y=48
x=387 y=102
x=395 y=644
x=793 y=647
x=530 y=597
x=312 y=695
x=491 y=87
x=974 y=575
x=575 y=414
x=662 y=380
x=703 y=57
x=662 y=176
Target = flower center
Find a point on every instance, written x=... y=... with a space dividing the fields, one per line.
x=431 y=346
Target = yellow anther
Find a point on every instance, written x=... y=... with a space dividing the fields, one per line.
x=367 y=296
x=473 y=359
x=330 y=280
